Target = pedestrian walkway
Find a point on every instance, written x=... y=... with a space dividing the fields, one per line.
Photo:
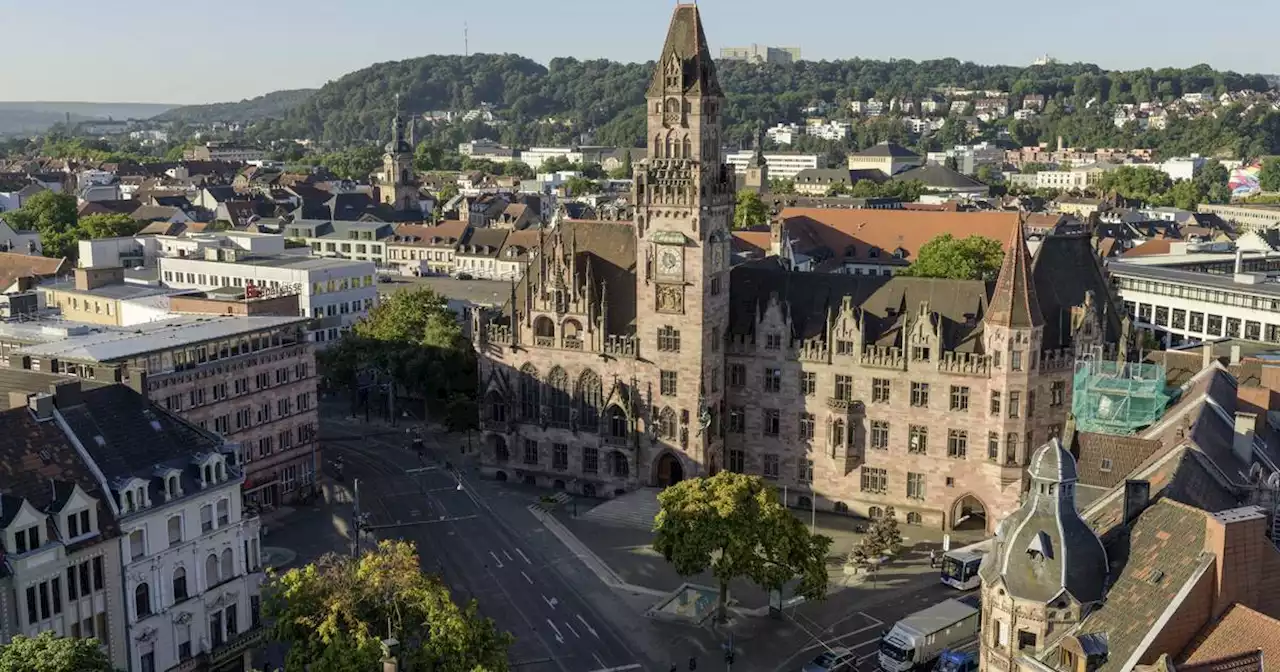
x=635 y=509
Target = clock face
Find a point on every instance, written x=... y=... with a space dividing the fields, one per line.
x=669 y=261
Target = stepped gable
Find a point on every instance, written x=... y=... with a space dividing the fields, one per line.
x=605 y=253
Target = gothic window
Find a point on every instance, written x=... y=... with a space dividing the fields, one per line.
x=688 y=148
x=590 y=397
x=657 y=146
x=667 y=427
x=530 y=393
x=543 y=327
x=617 y=423
x=670 y=147
x=558 y=389
x=497 y=407
x=619 y=464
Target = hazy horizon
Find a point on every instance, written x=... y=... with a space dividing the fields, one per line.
x=151 y=67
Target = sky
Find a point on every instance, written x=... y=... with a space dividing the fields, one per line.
x=196 y=51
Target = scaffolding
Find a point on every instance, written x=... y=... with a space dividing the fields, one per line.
x=1117 y=398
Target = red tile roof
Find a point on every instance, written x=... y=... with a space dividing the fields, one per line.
x=1151 y=247
x=858 y=231
x=1240 y=630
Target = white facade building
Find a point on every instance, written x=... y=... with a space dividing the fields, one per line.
x=1183 y=168
x=535 y=156
x=341 y=289
x=782 y=165
x=784 y=134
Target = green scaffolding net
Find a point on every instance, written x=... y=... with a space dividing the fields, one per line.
x=1117 y=397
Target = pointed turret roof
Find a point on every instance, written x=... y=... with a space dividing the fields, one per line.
x=686 y=51
x=1014 y=303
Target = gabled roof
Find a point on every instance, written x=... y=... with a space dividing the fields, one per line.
x=445 y=234
x=153 y=213
x=887 y=149
x=14 y=266
x=939 y=177
x=854 y=234
x=1014 y=303
x=1240 y=633
x=686 y=51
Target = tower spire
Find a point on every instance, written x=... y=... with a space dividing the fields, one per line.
x=1014 y=303
x=685 y=64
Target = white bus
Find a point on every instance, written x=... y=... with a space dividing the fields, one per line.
x=960 y=567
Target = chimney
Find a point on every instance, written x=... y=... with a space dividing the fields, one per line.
x=1237 y=538
x=1235 y=354
x=41 y=405
x=1239 y=261
x=1137 y=494
x=17 y=400
x=1206 y=351
x=1242 y=444
x=390 y=648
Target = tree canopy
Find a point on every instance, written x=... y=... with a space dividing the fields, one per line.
x=734 y=525
x=414 y=337
x=49 y=653
x=54 y=216
x=970 y=258
x=333 y=615
x=750 y=210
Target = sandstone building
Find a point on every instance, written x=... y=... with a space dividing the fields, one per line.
x=630 y=354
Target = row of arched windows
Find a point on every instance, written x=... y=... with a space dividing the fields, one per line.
x=672 y=148
x=587 y=394
x=216 y=570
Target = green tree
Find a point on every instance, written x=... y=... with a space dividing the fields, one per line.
x=782 y=187
x=579 y=186
x=1212 y=181
x=1185 y=194
x=1269 y=176
x=108 y=226
x=518 y=169
x=626 y=163
x=556 y=164
x=971 y=258
x=750 y=210
x=734 y=525
x=447 y=192
x=333 y=614
x=987 y=174
x=1140 y=183
x=48 y=653
x=54 y=216
x=882 y=539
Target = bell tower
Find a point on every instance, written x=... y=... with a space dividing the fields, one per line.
x=399 y=185
x=684 y=205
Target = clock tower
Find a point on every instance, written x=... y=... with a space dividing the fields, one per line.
x=684 y=204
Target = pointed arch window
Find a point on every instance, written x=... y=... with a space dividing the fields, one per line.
x=497 y=407
x=687 y=151
x=617 y=423
x=530 y=393
x=559 y=392
x=667 y=426
x=590 y=398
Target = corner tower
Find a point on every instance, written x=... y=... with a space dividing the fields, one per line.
x=684 y=205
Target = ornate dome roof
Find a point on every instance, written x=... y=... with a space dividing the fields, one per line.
x=1045 y=549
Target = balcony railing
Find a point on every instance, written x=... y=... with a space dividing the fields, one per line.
x=572 y=343
x=544 y=341
x=611 y=440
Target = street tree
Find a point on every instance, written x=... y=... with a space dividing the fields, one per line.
x=49 y=653
x=884 y=538
x=334 y=613
x=733 y=525
x=108 y=226
x=970 y=258
x=750 y=210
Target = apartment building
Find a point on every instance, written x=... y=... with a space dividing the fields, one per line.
x=1245 y=217
x=1181 y=306
x=223 y=151
x=249 y=378
x=101 y=296
x=58 y=528
x=191 y=559
x=361 y=241
x=782 y=165
x=425 y=250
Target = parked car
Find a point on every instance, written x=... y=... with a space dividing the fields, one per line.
x=838 y=659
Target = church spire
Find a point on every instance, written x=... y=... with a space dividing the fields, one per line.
x=1014 y=303
x=685 y=65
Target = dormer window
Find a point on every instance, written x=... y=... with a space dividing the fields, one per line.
x=208 y=476
x=172 y=489
x=78 y=523
x=27 y=539
x=221 y=471
x=129 y=504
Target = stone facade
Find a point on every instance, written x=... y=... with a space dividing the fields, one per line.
x=629 y=354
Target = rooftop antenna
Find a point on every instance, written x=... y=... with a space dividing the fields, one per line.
x=466 y=43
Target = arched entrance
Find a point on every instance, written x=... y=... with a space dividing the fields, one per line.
x=668 y=471
x=968 y=513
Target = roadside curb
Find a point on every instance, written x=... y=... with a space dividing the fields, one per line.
x=587 y=556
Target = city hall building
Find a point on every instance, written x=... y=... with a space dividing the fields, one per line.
x=630 y=354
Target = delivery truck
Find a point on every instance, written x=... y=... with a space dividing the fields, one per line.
x=918 y=640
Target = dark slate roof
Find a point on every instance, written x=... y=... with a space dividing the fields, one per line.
x=941 y=177
x=350 y=207
x=1071 y=257
x=830 y=176
x=1014 y=303
x=483 y=242
x=1068 y=555
x=222 y=193
x=809 y=298
x=1162 y=552
x=887 y=149
x=128 y=436
x=686 y=43
x=605 y=250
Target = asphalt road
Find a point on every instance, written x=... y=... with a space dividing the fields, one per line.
x=480 y=557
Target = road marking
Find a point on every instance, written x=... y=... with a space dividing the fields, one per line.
x=833 y=640
x=526 y=577
x=495 y=559
x=559 y=637
x=624 y=668
x=598 y=661
x=504 y=552
x=551 y=602
x=521 y=554
x=575 y=632
x=589 y=628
